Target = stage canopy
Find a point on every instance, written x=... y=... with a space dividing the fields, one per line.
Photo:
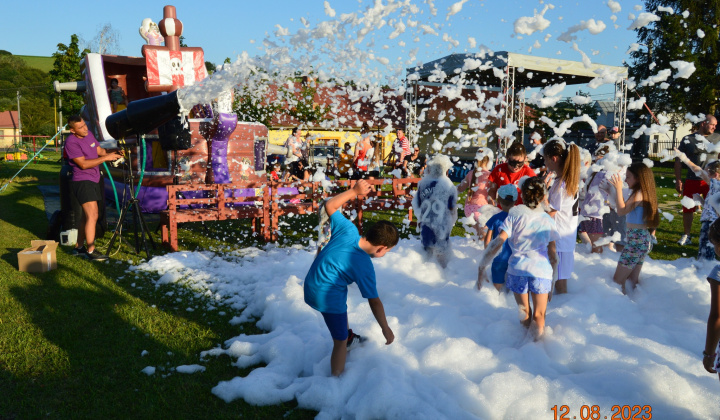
x=513 y=73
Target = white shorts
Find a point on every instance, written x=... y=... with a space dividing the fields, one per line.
x=566 y=264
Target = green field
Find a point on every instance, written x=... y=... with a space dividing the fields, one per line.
x=38 y=62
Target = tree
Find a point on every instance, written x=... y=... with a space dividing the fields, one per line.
x=689 y=34
x=303 y=107
x=106 y=41
x=257 y=99
x=210 y=67
x=34 y=86
x=66 y=68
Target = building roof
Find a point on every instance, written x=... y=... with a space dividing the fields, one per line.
x=346 y=113
x=486 y=68
x=606 y=107
x=9 y=119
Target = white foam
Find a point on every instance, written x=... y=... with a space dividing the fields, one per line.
x=459 y=353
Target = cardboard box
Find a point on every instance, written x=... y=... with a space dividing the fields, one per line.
x=39 y=258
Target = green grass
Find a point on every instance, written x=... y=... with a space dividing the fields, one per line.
x=71 y=339
x=38 y=62
x=669 y=232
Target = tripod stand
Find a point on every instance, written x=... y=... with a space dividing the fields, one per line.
x=132 y=205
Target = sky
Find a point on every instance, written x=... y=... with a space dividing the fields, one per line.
x=228 y=28
x=458 y=353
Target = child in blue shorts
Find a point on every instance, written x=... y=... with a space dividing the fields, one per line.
x=507 y=196
x=531 y=233
x=344 y=260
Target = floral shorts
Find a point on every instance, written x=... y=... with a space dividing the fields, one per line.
x=637 y=247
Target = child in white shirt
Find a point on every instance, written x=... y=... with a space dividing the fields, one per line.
x=531 y=233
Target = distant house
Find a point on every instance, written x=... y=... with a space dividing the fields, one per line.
x=605 y=113
x=9 y=134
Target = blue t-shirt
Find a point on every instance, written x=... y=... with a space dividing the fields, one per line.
x=494 y=224
x=340 y=263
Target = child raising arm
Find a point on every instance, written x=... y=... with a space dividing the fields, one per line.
x=344 y=260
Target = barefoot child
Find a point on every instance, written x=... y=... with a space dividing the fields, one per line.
x=507 y=195
x=531 y=233
x=706 y=251
x=344 y=260
x=641 y=213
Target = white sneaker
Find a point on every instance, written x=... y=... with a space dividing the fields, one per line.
x=685 y=240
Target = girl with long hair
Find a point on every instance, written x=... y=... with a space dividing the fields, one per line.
x=374 y=159
x=564 y=161
x=642 y=217
x=360 y=164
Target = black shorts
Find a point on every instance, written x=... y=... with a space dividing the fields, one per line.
x=86 y=191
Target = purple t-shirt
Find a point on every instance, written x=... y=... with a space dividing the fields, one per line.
x=83 y=147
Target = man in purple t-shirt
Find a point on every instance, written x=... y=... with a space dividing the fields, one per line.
x=85 y=156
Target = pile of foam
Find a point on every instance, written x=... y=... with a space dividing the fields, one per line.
x=460 y=353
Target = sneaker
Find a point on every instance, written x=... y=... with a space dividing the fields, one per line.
x=79 y=252
x=96 y=256
x=354 y=340
x=685 y=240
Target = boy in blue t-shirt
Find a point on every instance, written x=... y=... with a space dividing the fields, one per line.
x=507 y=196
x=344 y=260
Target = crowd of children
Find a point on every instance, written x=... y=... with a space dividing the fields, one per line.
x=530 y=236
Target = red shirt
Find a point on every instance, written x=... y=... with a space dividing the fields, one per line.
x=501 y=175
x=361 y=153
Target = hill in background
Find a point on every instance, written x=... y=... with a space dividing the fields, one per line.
x=37 y=62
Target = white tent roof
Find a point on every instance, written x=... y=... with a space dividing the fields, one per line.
x=483 y=68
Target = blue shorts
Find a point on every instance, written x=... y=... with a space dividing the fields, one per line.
x=521 y=284
x=337 y=324
x=498 y=270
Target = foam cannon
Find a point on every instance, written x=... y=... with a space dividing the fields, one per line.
x=144 y=115
x=69 y=86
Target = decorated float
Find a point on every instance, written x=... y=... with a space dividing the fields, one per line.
x=206 y=146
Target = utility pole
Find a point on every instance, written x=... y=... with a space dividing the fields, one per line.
x=60 y=113
x=19 y=123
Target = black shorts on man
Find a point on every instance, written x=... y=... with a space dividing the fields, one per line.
x=86 y=191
